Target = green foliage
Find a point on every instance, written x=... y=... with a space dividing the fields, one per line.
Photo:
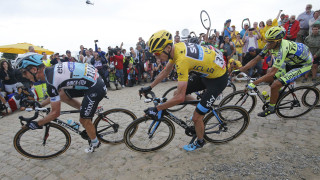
x=9 y=56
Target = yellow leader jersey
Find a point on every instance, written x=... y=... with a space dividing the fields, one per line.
x=193 y=57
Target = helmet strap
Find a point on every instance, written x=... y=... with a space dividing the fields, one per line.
x=34 y=74
x=168 y=54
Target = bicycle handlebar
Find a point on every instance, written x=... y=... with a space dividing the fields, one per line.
x=37 y=108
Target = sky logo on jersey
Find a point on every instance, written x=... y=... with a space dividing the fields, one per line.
x=194 y=51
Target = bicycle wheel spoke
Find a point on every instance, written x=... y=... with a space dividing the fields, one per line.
x=298 y=103
x=240 y=98
x=235 y=121
x=35 y=144
x=149 y=136
x=111 y=125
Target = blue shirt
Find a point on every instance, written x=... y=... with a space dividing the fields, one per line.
x=226 y=33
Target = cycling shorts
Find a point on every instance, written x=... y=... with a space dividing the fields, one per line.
x=91 y=98
x=288 y=74
x=213 y=87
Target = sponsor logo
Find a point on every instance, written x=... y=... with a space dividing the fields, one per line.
x=293 y=75
x=89 y=108
x=76 y=83
x=59 y=68
x=71 y=66
x=93 y=95
x=210 y=101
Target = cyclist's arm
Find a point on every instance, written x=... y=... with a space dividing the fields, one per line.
x=163 y=74
x=269 y=77
x=178 y=98
x=54 y=113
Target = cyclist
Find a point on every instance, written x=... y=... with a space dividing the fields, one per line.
x=292 y=60
x=188 y=57
x=67 y=80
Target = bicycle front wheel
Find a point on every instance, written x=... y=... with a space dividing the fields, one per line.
x=296 y=103
x=308 y=96
x=110 y=125
x=229 y=123
x=240 y=98
x=169 y=94
x=150 y=135
x=48 y=142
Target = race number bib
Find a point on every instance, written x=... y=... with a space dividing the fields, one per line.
x=220 y=61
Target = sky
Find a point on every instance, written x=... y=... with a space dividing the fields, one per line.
x=61 y=25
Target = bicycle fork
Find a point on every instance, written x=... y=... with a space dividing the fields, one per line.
x=46 y=135
x=153 y=127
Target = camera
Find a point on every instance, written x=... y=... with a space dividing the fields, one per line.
x=96 y=41
x=112 y=52
x=251 y=29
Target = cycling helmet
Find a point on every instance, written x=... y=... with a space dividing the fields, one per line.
x=31 y=59
x=159 y=40
x=275 y=33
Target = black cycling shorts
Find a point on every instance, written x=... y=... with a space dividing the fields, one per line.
x=91 y=98
x=213 y=88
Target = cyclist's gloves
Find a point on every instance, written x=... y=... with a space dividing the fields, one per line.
x=34 y=125
x=251 y=86
x=152 y=112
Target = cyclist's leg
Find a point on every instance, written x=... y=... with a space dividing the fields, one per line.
x=194 y=84
x=89 y=104
x=68 y=95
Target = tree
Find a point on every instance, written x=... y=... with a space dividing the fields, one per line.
x=9 y=55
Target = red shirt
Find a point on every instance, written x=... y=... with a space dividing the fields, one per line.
x=295 y=27
x=117 y=61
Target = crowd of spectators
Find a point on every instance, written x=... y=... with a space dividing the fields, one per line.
x=122 y=68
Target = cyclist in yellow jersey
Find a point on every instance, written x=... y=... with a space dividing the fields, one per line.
x=188 y=57
x=292 y=61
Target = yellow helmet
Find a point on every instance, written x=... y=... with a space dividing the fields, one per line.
x=159 y=40
x=275 y=33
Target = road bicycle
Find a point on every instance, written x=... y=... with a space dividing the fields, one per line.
x=170 y=93
x=292 y=102
x=54 y=139
x=222 y=125
x=307 y=94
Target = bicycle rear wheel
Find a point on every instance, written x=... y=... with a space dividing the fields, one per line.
x=150 y=135
x=240 y=98
x=235 y=121
x=169 y=94
x=110 y=125
x=48 y=142
x=309 y=95
x=293 y=104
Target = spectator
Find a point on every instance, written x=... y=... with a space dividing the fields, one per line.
x=234 y=33
x=267 y=62
x=158 y=67
x=82 y=51
x=113 y=78
x=139 y=63
x=87 y=58
x=118 y=63
x=286 y=19
x=91 y=52
x=132 y=75
x=281 y=21
x=250 y=40
x=316 y=18
x=233 y=65
x=177 y=37
x=313 y=42
x=31 y=49
x=243 y=31
x=128 y=59
x=100 y=65
x=148 y=70
x=45 y=60
x=142 y=43
x=228 y=47
x=56 y=59
x=304 y=18
x=239 y=45
x=292 y=28
x=271 y=23
x=248 y=57
x=68 y=57
x=261 y=41
x=219 y=39
x=8 y=78
x=101 y=53
x=227 y=29
x=16 y=101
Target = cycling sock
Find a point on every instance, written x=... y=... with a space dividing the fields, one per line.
x=272 y=106
x=94 y=141
x=200 y=142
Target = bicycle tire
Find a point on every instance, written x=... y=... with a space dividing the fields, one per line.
x=306 y=93
x=24 y=138
x=169 y=94
x=293 y=101
x=111 y=124
x=230 y=116
x=232 y=99
x=202 y=20
x=141 y=141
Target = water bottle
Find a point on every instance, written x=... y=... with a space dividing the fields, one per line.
x=266 y=95
x=73 y=124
